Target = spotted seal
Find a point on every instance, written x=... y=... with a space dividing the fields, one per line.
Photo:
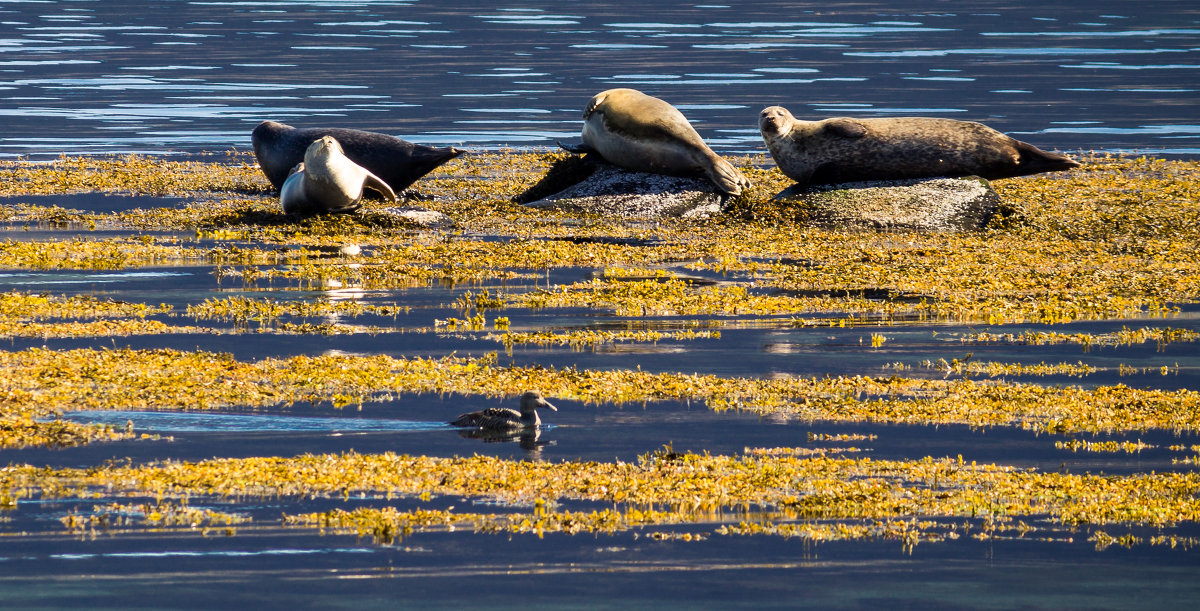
x=327 y=181
x=399 y=163
x=843 y=149
x=643 y=133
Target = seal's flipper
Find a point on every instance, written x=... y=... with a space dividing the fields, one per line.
x=1033 y=160
x=846 y=128
x=579 y=149
x=375 y=183
x=727 y=178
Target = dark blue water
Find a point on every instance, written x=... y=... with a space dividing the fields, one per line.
x=90 y=77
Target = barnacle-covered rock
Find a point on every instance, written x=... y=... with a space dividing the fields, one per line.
x=600 y=188
x=928 y=204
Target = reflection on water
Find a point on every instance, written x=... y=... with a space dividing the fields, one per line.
x=36 y=279
x=214 y=553
x=192 y=422
x=88 y=77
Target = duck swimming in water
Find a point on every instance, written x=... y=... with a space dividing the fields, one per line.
x=506 y=419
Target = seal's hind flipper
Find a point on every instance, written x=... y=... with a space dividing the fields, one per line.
x=1033 y=160
x=579 y=149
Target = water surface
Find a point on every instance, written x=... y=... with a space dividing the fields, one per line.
x=183 y=76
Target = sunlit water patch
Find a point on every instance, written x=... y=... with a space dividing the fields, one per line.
x=36 y=279
x=190 y=422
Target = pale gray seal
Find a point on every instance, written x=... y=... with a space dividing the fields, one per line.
x=843 y=149
x=328 y=182
x=638 y=132
x=503 y=418
x=399 y=163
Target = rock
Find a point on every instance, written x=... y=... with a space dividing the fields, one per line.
x=597 y=187
x=424 y=217
x=928 y=204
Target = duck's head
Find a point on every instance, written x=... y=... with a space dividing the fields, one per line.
x=533 y=399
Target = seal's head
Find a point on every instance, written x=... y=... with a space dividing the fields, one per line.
x=322 y=148
x=775 y=121
x=593 y=104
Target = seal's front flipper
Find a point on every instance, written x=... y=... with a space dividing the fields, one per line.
x=375 y=183
x=845 y=127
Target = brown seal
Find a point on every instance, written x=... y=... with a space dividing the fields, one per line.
x=639 y=132
x=328 y=182
x=843 y=149
x=399 y=163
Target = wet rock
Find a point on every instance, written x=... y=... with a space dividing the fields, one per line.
x=595 y=187
x=927 y=204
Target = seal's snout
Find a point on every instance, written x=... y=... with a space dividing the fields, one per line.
x=772 y=120
x=326 y=145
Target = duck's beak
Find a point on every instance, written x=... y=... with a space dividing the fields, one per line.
x=548 y=404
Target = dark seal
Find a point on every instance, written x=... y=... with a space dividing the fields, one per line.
x=399 y=163
x=849 y=150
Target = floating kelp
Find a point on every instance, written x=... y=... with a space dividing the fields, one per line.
x=660 y=488
x=115 y=516
x=21 y=432
x=1125 y=337
x=1074 y=247
x=165 y=379
x=25 y=315
x=1113 y=239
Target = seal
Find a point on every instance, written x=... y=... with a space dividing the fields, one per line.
x=328 y=182
x=399 y=163
x=643 y=133
x=843 y=149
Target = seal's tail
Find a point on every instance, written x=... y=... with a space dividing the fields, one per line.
x=1033 y=160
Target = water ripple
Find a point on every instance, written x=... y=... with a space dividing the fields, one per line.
x=205 y=422
x=110 y=75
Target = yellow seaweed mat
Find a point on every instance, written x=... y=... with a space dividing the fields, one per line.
x=39 y=382
x=1113 y=239
x=819 y=498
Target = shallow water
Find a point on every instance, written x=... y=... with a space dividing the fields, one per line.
x=300 y=567
x=101 y=77
x=184 y=77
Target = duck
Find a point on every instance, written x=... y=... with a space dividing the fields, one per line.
x=506 y=419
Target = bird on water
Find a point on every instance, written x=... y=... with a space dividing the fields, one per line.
x=503 y=418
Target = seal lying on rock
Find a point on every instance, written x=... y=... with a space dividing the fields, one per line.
x=399 y=163
x=328 y=182
x=846 y=150
x=638 y=132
